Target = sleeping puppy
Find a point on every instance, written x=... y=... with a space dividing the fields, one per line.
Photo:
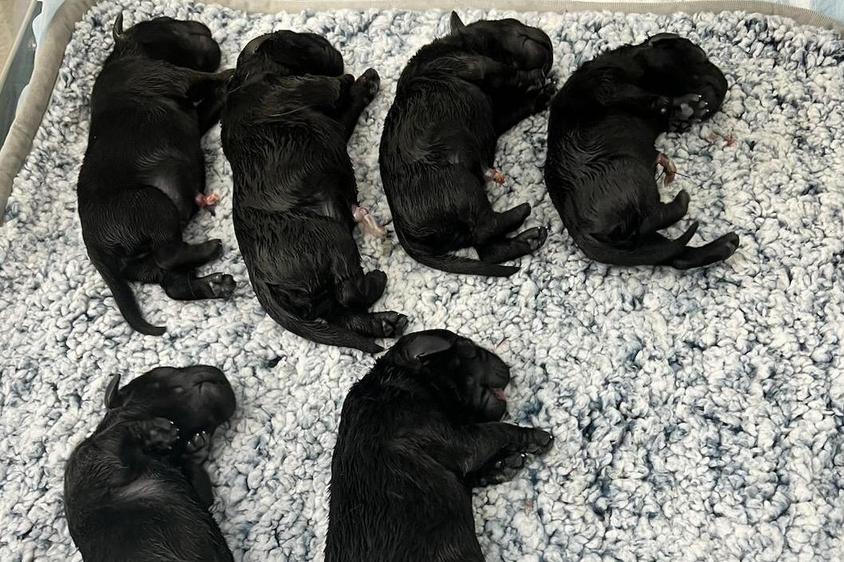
x=454 y=99
x=136 y=490
x=143 y=176
x=601 y=157
x=289 y=114
x=416 y=434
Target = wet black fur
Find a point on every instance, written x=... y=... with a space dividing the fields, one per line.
x=601 y=158
x=454 y=99
x=136 y=490
x=416 y=434
x=289 y=114
x=153 y=100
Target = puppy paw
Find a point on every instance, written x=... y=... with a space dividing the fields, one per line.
x=534 y=237
x=210 y=249
x=346 y=82
x=198 y=447
x=217 y=286
x=717 y=250
x=393 y=324
x=224 y=75
x=688 y=107
x=544 y=97
x=367 y=85
x=498 y=471
x=486 y=376
x=158 y=434
x=376 y=282
x=537 y=441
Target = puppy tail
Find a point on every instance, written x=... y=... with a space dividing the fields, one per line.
x=457 y=264
x=315 y=330
x=653 y=249
x=124 y=296
x=465 y=266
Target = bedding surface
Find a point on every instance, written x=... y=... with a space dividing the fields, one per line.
x=698 y=415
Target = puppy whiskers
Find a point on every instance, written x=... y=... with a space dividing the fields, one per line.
x=298 y=109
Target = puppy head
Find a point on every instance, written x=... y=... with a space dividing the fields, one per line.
x=290 y=53
x=670 y=53
x=675 y=66
x=197 y=398
x=467 y=380
x=508 y=41
x=179 y=42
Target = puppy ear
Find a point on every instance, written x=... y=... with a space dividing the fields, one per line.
x=117 y=30
x=112 y=398
x=661 y=37
x=417 y=349
x=456 y=23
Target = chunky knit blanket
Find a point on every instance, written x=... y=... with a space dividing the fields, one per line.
x=698 y=414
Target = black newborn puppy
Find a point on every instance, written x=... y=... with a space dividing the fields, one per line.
x=136 y=490
x=601 y=157
x=289 y=114
x=416 y=434
x=143 y=176
x=454 y=99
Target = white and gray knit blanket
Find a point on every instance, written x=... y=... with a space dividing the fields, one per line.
x=698 y=415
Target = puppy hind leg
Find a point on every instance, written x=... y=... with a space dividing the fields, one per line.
x=715 y=251
x=665 y=214
x=500 y=224
x=361 y=291
x=507 y=249
x=144 y=270
x=181 y=255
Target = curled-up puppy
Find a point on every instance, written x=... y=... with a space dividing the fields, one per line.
x=454 y=99
x=417 y=433
x=601 y=158
x=136 y=490
x=289 y=114
x=143 y=176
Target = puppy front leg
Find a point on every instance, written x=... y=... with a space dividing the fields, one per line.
x=489 y=73
x=475 y=446
x=209 y=90
x=196 y=453
x=138 y=440
x=514 y=107
x=200 y=85
x=361 y=94
x=327 y=93
x=630 y=97
x=638 y=100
